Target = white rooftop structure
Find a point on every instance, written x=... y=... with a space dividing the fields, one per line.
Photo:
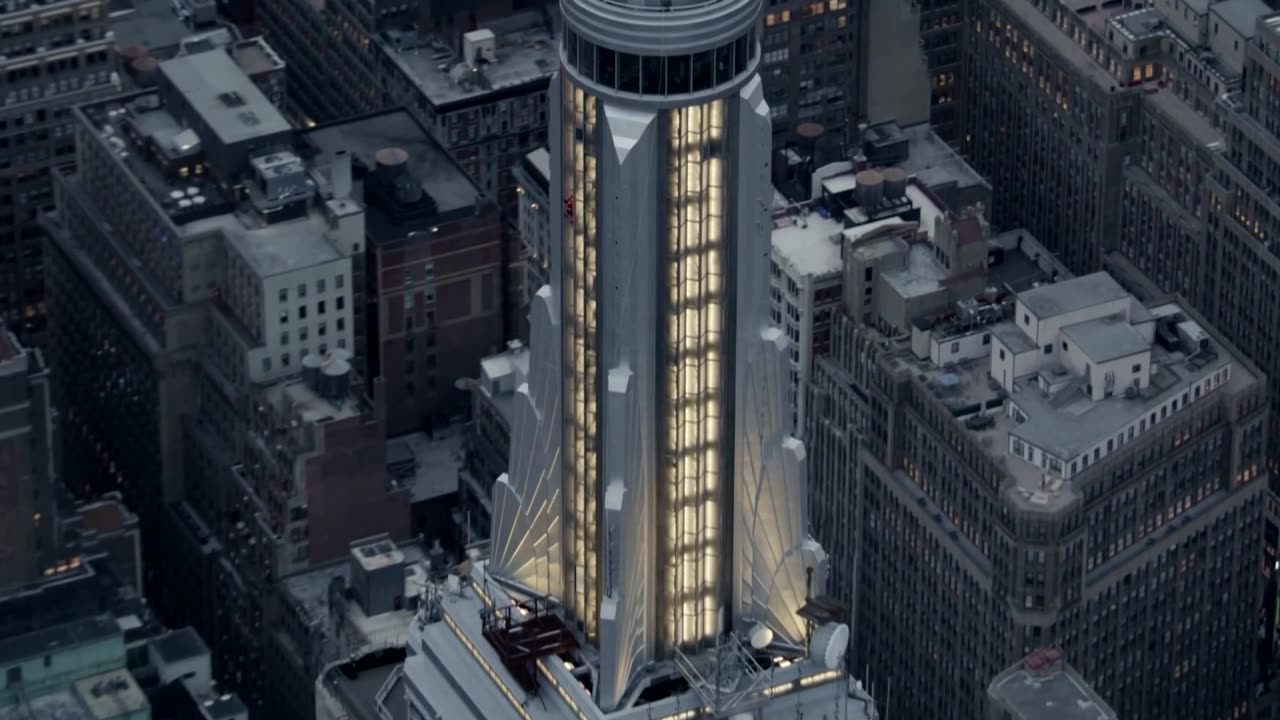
x=218 y=89
x=540 y=158
x=377 y=555
x=807 y=249
x=502 y=374
x=808 y=245
x=1059 y=376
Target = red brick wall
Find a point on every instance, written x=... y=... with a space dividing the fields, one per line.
x=466 y=320
x=347 y=490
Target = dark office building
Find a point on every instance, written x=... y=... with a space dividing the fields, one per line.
x=1047 y=124
x=27 y=471
x=54 y=58
x=331 y=52
x=811 y=63
x=1201 y=207
x=1057 y=466
x=942 y=39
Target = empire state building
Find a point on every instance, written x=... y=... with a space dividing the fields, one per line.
x=651 y=530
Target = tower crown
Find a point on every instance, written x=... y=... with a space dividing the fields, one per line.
x=675 y=53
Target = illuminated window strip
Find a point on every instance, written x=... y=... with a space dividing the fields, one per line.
x=804 y=682
x=820 y=678
x=546 y=672
x=579 y=309
x=694 y=326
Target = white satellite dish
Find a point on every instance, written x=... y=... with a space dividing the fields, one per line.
x=761 y=635
x=829 y=644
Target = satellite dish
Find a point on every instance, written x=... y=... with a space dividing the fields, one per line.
x=761 y=636
x=829 y=644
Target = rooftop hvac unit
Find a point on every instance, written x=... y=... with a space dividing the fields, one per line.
x=1194 y=339
x=480 y=46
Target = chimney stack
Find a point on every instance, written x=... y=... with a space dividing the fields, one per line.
x=340 y=175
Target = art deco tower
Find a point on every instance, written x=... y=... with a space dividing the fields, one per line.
x=653 y=489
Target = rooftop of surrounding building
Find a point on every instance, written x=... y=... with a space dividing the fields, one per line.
x=111 y=695
x=220 y=91
x=807 y=236
x=535 y=169
x=178 y=701
x=301 y=400
x=449 y=188
x=1148 y=23
x=1058 y=42
x=60 y=705
x=178 y=645
x=1147 y=26
x=501 y=374
x=370 y=685
x=1052 y=406
x=139 y=131
x=526 y=53
x=934 y=163
x=76 y=588
x=507 y=368
x=1096 y=14
x=808 y=245
x=275 y=248
x=58 y=638
x=308 y=591
x=540 y=159
x=921 y=273
x=150 y=24
x=916 y=150
x=1018 y=262
x=463 y=676
x=1067 y=423
x=255 y=56
x=430 y=465
x=1043 y=687
x=1054 y=299
x=377 y=554
x=106 y=516
x=1165 y=103
x=1240 y=15
x=1140 y=24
